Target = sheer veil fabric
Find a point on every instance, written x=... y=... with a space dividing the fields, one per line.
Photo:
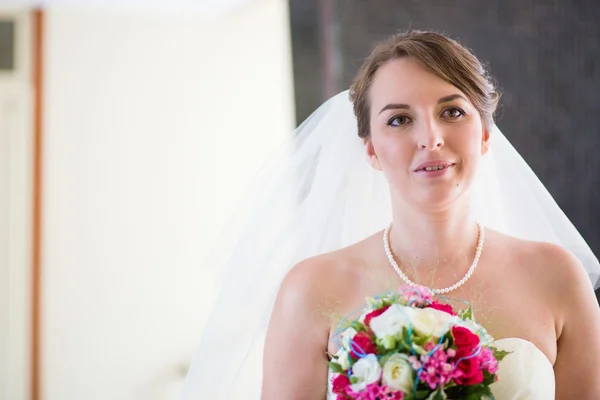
x=319 y=194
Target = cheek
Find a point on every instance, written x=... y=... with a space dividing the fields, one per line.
x=469 y=151
x=466 y=144
x=393 y=153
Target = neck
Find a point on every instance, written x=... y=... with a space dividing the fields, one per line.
x=424 y=241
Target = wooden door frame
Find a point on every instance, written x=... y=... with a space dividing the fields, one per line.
x=36 y=257
x=24 y=90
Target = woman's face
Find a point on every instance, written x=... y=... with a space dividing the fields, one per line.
x=426 y=136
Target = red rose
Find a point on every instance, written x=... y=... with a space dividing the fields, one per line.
x=464 y=338
x=362 y=344
x=340 y=383
x=470 y=368
x=447 y=308
x=374 y=314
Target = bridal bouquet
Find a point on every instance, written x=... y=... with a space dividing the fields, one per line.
x=407 y=346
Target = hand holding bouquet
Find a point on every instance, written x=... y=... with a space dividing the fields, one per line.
x=408 y=346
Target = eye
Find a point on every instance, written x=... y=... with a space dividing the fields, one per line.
x=453 y=113
x=399 y=120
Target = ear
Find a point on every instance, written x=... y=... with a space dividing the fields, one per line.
x=371 y=155
x=485 y=141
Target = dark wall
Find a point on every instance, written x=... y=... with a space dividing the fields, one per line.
x=545 y=56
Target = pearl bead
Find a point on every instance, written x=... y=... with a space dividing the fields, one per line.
x=388 y=252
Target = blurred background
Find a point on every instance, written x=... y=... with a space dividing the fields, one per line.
x=129 y=129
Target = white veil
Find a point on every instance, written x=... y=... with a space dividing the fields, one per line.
x=320 y=194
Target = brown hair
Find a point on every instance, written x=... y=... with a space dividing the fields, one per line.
x=443 y=56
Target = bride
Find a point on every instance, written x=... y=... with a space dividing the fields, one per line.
x=442 y=200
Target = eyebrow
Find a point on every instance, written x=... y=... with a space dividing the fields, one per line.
x=398 y=106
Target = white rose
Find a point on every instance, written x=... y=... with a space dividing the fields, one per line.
x=398 y=373
x=391 y=322
x=429 y=321
x=363 y=315
x=367 y=370
x=346 y=337
x=343 y=359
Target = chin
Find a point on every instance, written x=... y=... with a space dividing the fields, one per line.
x=434 y=199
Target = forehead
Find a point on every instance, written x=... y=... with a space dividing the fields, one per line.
x=407 y=81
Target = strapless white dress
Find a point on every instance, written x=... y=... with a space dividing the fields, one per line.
x=525 y=374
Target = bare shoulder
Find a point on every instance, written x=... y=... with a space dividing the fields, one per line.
x=567 y=282
x=554 y=278
x=309 y=281
x=550 y=271
x=323 y=279
x=309 y=296
x=549 y=263
x=311 y=293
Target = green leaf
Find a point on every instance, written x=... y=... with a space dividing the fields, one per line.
x=469 y=390
x=488 y=378
x=466 y=314
x=419 y=349
x=500 y=354
x=335 y=367
x=421 y=340
x=439 y=394
x=418 y=395
x=449 y=385
x=359 y=326
x=405 y=337
x=389 y=342
x=475 y=392
x=353 y=380
x=392 y=299
x=374 y=303
x=380 y=349
x=485 y=391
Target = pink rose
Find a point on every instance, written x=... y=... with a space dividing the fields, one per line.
x=339 y=385
x=464 y=338
x=447 y=308
x=470 y=368
x=362 y=344
x=419 y=295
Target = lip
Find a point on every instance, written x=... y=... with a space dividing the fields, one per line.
x=434 y=163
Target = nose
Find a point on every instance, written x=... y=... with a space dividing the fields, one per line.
x=430 y=138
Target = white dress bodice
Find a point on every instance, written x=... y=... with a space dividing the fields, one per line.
x=526 y=373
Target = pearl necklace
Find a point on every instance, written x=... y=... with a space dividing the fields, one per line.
x=388 y=252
